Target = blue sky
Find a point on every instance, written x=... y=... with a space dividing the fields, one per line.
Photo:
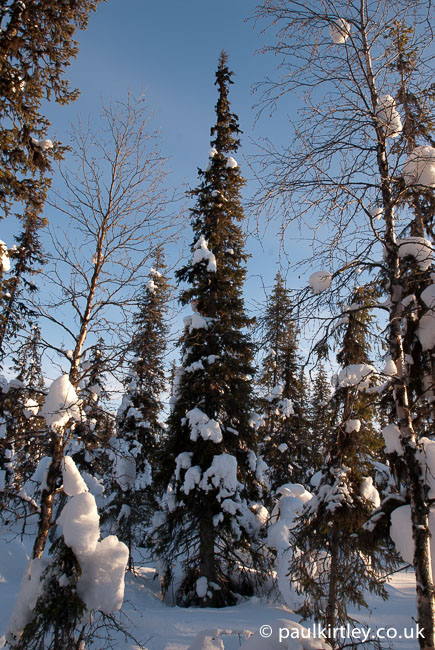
x=169 y=50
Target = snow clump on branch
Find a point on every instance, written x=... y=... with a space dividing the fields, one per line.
x=376 y=212
x=45 y=145
x=388 y=116
x=61 y=403
x=357 y=374
x=417 y=247
x=231 y=163
x=5 y=264
x=419 y=168
x=201 y=252
x=339 y=31
x=320 y=281
x=426 y=325
x=200 y=424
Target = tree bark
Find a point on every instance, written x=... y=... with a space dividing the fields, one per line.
x=47 y=496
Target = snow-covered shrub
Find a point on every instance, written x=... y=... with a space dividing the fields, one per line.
x=82 y=575
x=290 y=505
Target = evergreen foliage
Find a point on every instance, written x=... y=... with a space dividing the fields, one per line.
x=338 y=560
x=58 y=612
x=93 y=433
x=321 y=417
x=137 y=449
x=284 y=437
x=206 y=528
x=36 y=46
x=22 y=444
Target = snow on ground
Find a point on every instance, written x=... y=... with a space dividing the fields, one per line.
x=160 y=627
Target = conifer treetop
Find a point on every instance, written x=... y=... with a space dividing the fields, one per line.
x=227 y=123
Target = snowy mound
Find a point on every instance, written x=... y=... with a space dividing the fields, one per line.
x=207 y=640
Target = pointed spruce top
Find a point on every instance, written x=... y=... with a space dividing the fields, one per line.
x=227 y=124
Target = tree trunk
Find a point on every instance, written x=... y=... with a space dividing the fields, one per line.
x=207 y=562
x=47 y=496
x=417 y=488
x=331 y=606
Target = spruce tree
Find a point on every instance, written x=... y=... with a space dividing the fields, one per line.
x=284 y=435
x=206 y=528
x=22 y=445
x=92 y=435
x=321 y=417
x=137 y=449
x=338 y=560
x=36 y=46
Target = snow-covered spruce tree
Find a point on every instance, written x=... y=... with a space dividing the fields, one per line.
x=138 y=448
x=337 y=562
x=353 y=165
x=92 y=435
x=284 y=438
x=320 y=416
x=22 y=401
x=36 y=46
x=204 y=537
x=22 y=446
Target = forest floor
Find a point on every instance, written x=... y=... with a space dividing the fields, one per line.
x=157 y=626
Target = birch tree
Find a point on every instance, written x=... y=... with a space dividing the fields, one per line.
x=358 y=180
x=116 y=214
